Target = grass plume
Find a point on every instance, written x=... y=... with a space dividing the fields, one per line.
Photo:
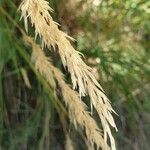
x=77 y=109
x=37 y=11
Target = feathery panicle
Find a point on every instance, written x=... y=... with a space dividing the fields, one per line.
x=77 y=109
x=38 y=13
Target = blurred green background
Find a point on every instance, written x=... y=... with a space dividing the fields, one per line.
x=114 y=36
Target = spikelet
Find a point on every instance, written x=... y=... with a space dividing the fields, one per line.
x=38 y=13
x=77 y=109
x=69 y=144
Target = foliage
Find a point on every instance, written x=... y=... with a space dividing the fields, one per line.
x=114 y=37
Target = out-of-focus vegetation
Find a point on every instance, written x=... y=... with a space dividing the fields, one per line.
x=114 y=36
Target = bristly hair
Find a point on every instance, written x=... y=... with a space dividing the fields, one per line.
x=38 y=13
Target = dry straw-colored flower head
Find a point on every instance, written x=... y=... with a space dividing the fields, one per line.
x=77 y=109
x=38 y=12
